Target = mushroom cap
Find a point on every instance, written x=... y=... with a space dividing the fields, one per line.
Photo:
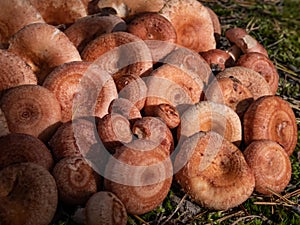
x=271 y=118
x=249 y=78
x=28 y=195
x=31 y=109
x=18 y=147
x=206 y=116
x=216 y=24
x=270 y=164
x=14 y=71
x=3 y=124
x=76 y=180
x=57 y=12
x=140 y=175
x=263 y=65
x=85 y=29
x=215 y=173
x=63 y=82
x=196 y=30
x=10 y=23
x=105 y=208
x=43 y=47
x=125 y=108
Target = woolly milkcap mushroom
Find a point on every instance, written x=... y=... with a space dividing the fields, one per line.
x=31 y=109
x=43 y=47
x=85 y=29
x=231 y=92
x=244 y=41
x=10 y=23
x=105 y=208
x=192 y=22
x=271 y=118
x=216 y=24
x=14 y=71
x=251 y=79
x=17 y=147
x=28 y=195
x=57 y=12
x=263 y=65
x=206 y=116
x=271 y=166
x=125 y=108
x=76 y=180
x=214 y=173
x=119 y=53
x=140 y=175
x=3 y=124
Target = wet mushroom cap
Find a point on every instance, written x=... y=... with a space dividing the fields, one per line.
x=213 y=171
x=105 y=208
x=271 y=118
x=28 y=195
x=271 y=166
x=18 y=147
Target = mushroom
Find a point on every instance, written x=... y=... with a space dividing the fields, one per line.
x=3 y=124
x=119 y=53
x=216 y=24
x=213 y=171
x=105 y=208
x=31 y=109
x=252 y=80
x=210 y=116
x=114 y=130
x=244 y=41
x=263 y=65
x=28 y=195
x=271 y=166
x=231 y=92
x=14 y=71
x=57 y=12
x=76 y=180
x=10 y=23
x=18 y=147
x=125 y=108
x=140 y=175
x=43 y=47
x=196 y=30
x=85 y=29
x=271 y=118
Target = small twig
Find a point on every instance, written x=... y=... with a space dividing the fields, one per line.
x=141 y=220
x=246 y=217
x=239 y=213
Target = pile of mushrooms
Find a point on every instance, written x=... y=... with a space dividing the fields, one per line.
x=103 y=104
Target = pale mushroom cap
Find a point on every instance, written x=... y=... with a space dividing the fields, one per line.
x=216 y=174
x=192 y=23
x=125 y=108
x=105 y=208
x=271 y=166
x=28 y=195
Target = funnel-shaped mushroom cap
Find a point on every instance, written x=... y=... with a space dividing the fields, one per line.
x=28 y=195
x=14 y=15
x=31 y=109
x=192 y=23
x=215 y=173
x=271 y=118
x=43 y=47
x=57 y=12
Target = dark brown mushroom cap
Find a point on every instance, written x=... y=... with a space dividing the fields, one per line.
x=76 y=180
x=249 y=78
x=31 y=109
x=140 y=175
x=57 y=12
x=270 y=164
x=105 y=208
x=271 y=118
x=263 y=65
x=43 y=47
x=192 y=22
x=63 y=82
x=10 y=23
x=3 y=124
x=85 y=29
x=17 y=148
x=14 y=71
x=215 y=173
x=28 y=195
